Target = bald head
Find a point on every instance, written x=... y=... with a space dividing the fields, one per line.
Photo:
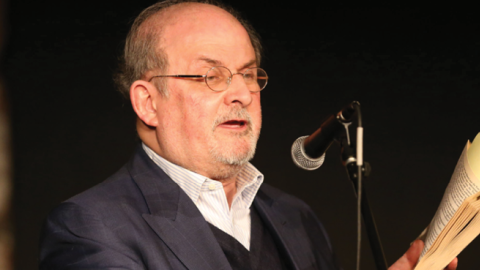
x=144 y=48
x=212 y=133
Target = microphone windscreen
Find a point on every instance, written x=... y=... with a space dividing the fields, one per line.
x=301 y=159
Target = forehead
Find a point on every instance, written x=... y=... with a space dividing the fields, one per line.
x=198 y=31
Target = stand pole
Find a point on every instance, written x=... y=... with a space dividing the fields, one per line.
x=367 y=215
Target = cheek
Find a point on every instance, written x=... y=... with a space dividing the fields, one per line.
x=198 y=117
x=195 y=107
x=256 y=112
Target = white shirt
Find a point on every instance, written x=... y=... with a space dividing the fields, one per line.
x=209 y=196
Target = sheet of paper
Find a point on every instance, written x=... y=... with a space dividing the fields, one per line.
x=473 y=155
x=462 y=185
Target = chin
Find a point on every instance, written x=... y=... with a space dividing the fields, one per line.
x=231 y=158
x=235 y=153
x=234 y=156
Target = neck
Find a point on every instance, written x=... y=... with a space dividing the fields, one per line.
x=230 y=189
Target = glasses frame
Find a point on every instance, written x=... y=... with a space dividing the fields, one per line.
x=229 y=81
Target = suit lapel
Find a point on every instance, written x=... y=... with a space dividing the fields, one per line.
x=277 y=223
x=292 y=233
x=175 y=218
x=190 y=239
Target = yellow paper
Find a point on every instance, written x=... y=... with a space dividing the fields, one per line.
x=473 y=156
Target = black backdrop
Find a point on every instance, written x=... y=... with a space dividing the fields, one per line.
x=415 y=70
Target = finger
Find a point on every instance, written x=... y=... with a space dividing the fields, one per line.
x=413 y=253
x=452 y=265
x=410 y=258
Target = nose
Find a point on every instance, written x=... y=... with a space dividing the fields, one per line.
x=238 y=91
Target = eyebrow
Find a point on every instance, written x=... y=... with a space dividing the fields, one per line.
x=249 y=64
x=211 y=61
x=220 y=63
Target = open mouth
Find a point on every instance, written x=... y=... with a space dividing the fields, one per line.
x=234 y=124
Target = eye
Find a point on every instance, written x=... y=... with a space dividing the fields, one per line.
x=250 y=76
x=200 y=79
x=213 y=78
x=217 y=75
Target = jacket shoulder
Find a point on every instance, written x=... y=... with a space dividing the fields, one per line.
x=278 y=196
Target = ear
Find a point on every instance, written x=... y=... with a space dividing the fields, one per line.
x=142 y=96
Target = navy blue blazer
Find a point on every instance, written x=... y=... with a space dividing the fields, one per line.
x=140 y=219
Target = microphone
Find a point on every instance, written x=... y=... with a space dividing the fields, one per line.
x=308 y=152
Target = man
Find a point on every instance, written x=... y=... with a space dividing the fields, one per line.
x=189 y=199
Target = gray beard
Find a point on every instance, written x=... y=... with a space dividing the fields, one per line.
x=226 y=154
x=229 y=157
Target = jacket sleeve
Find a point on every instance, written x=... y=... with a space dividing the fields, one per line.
x=75 y=238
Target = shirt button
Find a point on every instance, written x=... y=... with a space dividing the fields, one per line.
x=211 y=186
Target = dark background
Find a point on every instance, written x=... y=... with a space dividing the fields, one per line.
x=414 y=69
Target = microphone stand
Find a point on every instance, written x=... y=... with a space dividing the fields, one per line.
x=352 y=171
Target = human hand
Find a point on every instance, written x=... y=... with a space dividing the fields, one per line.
x=410 y=258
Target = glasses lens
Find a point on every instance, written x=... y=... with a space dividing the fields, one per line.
x=256 y=79
x=218 y=78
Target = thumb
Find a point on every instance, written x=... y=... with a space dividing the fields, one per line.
x=410 y=258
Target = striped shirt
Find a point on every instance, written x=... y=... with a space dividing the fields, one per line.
x=209 y=197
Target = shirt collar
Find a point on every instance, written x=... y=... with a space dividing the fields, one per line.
x=249 y=179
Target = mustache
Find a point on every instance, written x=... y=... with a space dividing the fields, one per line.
x=234 y=114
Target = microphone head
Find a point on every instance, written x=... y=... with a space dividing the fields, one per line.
x=301 y=159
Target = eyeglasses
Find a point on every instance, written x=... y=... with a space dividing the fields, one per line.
x=219 y=78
